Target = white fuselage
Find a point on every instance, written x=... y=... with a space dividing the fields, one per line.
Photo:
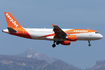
x=45 y=34
x=39 y=33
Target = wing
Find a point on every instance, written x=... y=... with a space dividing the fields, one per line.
x=60 y=35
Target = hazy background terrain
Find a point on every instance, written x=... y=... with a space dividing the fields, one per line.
x=78 y=14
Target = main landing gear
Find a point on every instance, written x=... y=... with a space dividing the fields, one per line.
x=89 y=43
x=57 y=43
x=54 y=45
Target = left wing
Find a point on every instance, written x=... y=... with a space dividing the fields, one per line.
x=60 y=35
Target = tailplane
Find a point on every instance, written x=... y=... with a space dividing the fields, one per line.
x=11 y=22
x=11 y=30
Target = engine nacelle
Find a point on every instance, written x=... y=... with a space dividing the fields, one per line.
x=72 y=37
x=65 y=42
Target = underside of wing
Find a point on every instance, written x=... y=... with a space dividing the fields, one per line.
x=60 y=35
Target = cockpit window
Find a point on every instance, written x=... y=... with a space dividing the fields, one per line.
x=96 y=32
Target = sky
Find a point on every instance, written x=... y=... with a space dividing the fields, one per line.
x=78 y=14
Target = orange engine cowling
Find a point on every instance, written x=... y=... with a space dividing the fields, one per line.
x=72 y=37
x=65 y=42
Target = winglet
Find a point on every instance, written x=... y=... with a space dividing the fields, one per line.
x=53 y=25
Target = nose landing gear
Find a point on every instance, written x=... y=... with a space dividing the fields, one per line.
x=89 y=43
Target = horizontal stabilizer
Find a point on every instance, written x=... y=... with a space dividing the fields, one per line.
x=11 y=30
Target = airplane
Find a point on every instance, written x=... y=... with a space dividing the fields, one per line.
x=56 y=34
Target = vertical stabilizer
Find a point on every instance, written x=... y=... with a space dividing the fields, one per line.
x=11 y=22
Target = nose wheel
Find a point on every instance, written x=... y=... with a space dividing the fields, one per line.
x=89 y=43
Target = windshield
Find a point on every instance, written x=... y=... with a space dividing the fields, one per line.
x=96 y=32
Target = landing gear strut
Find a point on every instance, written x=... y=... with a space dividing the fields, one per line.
x=89 y=43
x=56 y=43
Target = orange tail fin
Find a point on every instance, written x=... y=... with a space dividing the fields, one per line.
x=11 y=22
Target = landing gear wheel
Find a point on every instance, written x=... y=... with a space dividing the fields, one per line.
x=53 y=45
x=58 y=42
x=89 y=45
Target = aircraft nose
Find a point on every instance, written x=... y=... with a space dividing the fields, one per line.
x=101 y=36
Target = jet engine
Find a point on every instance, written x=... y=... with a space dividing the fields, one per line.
x=65 y=42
